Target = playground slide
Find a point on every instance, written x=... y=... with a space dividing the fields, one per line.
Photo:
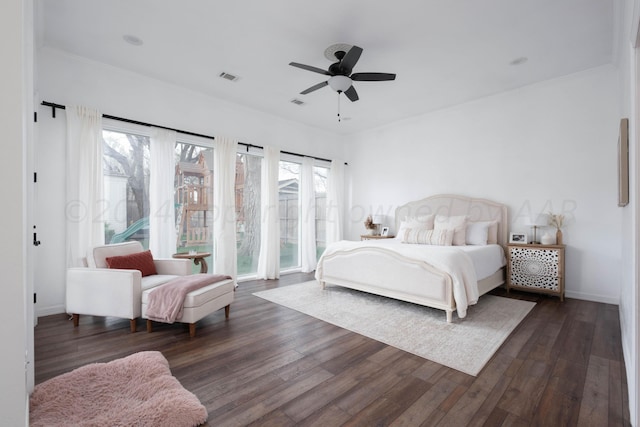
x=140 y=224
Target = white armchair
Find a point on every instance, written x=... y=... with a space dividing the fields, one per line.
x=101 y=291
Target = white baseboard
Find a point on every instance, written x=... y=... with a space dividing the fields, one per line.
x=592 y=297
x=53 y=309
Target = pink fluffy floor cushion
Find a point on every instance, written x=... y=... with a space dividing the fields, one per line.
x=136 y=390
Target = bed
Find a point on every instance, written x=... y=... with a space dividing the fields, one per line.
x=449 y=278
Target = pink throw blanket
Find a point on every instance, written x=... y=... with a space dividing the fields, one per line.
x=166 y=302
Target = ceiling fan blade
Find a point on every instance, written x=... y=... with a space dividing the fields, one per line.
x=314 y=87
x=372 y=77
x=351 y=94
x=310 y=68
x=350 y=59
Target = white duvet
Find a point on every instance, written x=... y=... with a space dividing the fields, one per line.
x=459 y=262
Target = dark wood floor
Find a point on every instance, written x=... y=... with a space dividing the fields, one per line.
x=269 y=365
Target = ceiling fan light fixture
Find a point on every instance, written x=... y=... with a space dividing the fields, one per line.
x=340 y=83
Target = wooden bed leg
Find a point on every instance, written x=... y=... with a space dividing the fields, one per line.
x=192 y=330
x=149 y=326
x=449 y=316
x=322 y=284
x=227 y=309
x=76 y=320
x=132 y=325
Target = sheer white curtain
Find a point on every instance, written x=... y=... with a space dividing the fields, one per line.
x=269 y=258
x=84 y=182
x=335 y=202
x=162 y=222
x=224 y=216
x=308 y=214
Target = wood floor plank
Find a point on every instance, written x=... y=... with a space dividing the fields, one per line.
x=594 y=405
x=270 y=365
x=423 y=408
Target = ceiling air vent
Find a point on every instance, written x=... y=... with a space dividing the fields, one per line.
x=228 y=76
x=297 y=101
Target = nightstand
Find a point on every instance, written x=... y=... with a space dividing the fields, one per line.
x=536 y=268
x=374 y=237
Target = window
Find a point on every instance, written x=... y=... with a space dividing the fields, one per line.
x=248 y=187
x=289 y=211
x=320 y=175
x=126 y=187
x=194 y=199
x=126 y=168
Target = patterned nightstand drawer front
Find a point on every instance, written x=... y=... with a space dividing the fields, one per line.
x=536 y=268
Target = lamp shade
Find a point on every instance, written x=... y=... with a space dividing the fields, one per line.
x=340 y=83
x=536 y=220
x=378 y=219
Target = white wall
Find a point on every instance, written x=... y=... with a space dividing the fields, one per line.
x=66 y=79
x=545 y=147
x=14 y=87
x=628 y=66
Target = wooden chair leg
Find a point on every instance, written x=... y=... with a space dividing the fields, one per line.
x=132 y=324
x=76 y=320
x=227 y=309
x=192 y=330
x=149 y=326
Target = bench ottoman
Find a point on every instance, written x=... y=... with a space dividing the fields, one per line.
x=198 y=303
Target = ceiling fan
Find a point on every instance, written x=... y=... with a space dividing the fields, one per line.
x=341 y=78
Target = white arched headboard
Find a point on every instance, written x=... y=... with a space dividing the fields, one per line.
x=453 y=205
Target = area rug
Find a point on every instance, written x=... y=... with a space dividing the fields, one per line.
x=137 y=390
x=465 y=344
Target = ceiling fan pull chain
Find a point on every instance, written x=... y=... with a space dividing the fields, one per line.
x=339 y=107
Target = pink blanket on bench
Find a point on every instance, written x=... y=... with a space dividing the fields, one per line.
x=166 y=301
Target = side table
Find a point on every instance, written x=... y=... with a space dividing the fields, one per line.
x=198 y=259
x=374 y=237
x=536 y=268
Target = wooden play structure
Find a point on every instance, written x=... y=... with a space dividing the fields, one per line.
x=193 y=198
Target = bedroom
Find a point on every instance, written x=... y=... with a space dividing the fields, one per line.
x=544 y=146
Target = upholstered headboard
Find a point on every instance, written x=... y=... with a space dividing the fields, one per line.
x=448 y=204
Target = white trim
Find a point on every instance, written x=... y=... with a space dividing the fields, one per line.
x=52 y=309
x=592 y=297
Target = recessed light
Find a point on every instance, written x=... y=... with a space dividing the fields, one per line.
x=133 y=40
x=297 y=101
x=519 y=61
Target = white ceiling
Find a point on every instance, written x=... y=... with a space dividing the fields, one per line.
x=444 y=52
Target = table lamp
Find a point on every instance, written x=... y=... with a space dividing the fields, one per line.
x=378 y=220
x=535 y=222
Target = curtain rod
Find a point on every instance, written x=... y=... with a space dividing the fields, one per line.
x=136 y=122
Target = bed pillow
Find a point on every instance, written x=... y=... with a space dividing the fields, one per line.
x=477 y=233
x=142 y=261
x=492 y=232
x=456 y=223
x=424 y=221
x=425 y=236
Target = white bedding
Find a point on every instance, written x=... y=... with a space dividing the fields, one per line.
x=465 y=264
x=487 y=259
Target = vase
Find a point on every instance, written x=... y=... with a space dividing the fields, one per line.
x=559 y=237
x=547 y=239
